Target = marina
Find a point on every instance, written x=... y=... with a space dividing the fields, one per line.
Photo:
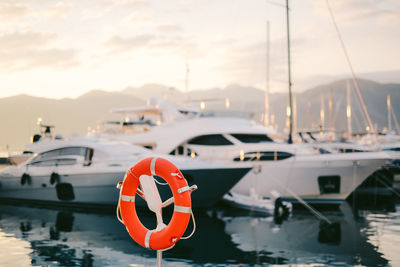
x=190 y=133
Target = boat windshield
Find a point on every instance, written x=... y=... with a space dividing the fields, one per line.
x=252 y=138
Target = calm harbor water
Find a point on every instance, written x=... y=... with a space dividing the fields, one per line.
x=32 y=236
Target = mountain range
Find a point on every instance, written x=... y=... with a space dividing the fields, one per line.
x=74 y=116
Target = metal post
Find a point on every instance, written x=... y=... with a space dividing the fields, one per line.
x=159 y=258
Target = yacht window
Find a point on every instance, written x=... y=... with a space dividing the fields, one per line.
x=180 y=151
x=323 y=151
x=252 y=138
x=349 y=150
x=53 y=162
x=66 y=161
x=177 y=151
x=88 y=156
x=264 y=156
x=210 y=140
x=79 y=151
x=392 y=149
x=44 y=163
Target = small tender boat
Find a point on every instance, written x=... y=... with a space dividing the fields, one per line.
x=84 y=172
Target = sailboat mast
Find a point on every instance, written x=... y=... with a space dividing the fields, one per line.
x=187 y=77
x=322 y=113
x=290 y=140
x=389 y=110
x=266 y=112
x=348 y=109
x=331 y=124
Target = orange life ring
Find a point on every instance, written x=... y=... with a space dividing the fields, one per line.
x=167 y=237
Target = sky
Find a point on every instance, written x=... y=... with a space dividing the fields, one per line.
x=60 y=49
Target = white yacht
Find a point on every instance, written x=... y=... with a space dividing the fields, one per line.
x=292 y=171
x=84 y=171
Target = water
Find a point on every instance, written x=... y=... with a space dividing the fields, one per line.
x=31 y=236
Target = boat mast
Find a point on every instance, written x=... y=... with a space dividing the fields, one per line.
x=290 y=140
x=348 y=110
x=266 y=112
x=331 y=123
x=187 y=77
x=322 y=113
x=309 y=115
x=389 y=110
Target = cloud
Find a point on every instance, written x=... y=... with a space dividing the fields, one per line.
x=138 y=17
x=170 y=28
x=104 y=8
x=54 y=10
x=29 y=50
x=57 y=11
x=120 y=44
x=10 y=11
x=127 y=4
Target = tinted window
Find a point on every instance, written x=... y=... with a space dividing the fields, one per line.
x=78 y=151
x=66 y=161
x=323 y=151
x=210 y=140
x=53 y=162
x=264 y=156
x=44 y=163
x=252 y=138
x=393 y=149
x=349 y=150
x=180 y=151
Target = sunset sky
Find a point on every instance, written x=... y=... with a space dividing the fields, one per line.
x=66 y=48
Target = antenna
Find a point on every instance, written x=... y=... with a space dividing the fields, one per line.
x=187 y=77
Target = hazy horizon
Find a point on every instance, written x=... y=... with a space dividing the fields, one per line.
x=312 y=84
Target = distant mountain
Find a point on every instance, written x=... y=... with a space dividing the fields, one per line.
x=373 y=93
x=20 y=113
x=154 y=90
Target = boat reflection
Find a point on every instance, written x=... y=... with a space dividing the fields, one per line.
x=303 y=238
x=72 y=238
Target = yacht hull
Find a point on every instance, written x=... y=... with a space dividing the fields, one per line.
x=98 y=189
x=303 y=177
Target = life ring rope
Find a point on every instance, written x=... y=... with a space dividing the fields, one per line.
x=176 y=208
x=165 y=236
x=194 y=227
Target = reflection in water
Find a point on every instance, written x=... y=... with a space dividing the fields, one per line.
x=303 y=239
x=70 y=238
